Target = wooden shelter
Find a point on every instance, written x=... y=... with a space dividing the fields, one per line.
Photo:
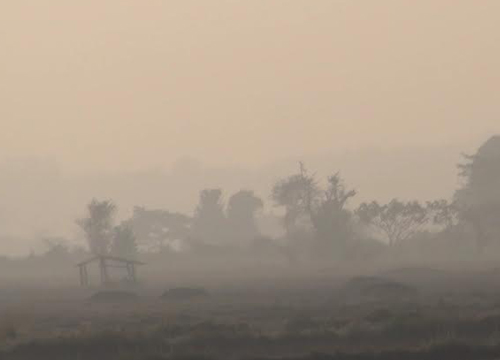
x=105 y=263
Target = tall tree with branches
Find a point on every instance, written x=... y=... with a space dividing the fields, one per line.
x=297 y=194
x=321 y=212
x=397 y=220
x=330 y=219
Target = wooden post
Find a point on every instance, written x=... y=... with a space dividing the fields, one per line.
x=132 y=271
x=82 y=280
x=104 y=271
x=85 y=275
x=129 y=273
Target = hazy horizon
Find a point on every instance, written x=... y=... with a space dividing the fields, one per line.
x=42 y=198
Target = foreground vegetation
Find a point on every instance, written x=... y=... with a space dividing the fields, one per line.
x=412 y=313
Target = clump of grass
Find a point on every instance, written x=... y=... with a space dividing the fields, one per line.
x=301 y=324
x=11 y=332
x=8 y=331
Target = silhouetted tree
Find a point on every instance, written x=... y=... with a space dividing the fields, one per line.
x=124 y=242
x=158 y=228
x=397 y=220
x=479 y=199
x=331 y=221
x=298 y=194
x=443 y=213
x=241 y=210
x=209 y=221
x=57 y=248
x=321 y=213
x=98 y=225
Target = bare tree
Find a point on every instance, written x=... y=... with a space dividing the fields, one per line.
x=397 y=220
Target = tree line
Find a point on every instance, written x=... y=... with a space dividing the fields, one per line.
x=316 y=218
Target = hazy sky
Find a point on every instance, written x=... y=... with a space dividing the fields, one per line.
x=132 y=84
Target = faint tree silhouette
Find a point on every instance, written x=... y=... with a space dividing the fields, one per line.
x=330 y=218
x=320 y=212
x=209 y=221
x=298 y=194
x=124 y=242
x=478 y=201
x=241 y=212
x=397 y=220
x=157 y=229
x=98 y=225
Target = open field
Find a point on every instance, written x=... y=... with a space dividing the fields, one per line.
x=412 y=313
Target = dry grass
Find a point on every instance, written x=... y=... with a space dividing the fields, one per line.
x=308 y=322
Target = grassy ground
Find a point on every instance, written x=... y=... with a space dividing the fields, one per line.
x=393 y=316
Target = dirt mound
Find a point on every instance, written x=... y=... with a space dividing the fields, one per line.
x=376 y=288
x=113 y=296
x=418 y=275
x=184 y=293
x=426 y=278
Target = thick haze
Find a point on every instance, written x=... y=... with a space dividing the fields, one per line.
x=96 y=94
